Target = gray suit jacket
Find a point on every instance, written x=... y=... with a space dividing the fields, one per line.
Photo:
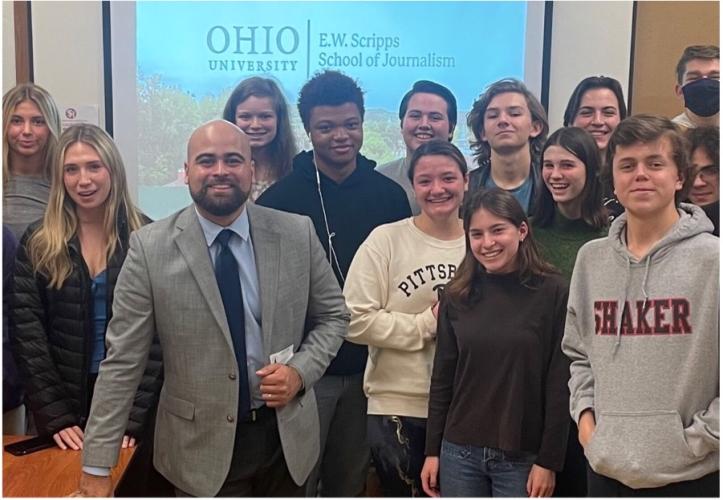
x=167 y=285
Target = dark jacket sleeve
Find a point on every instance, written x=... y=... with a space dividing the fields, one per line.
x=441 y=388
x=12 y=385
x=557 y=395
x=44 y=388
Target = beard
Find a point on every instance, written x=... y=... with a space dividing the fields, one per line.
x=219 y=207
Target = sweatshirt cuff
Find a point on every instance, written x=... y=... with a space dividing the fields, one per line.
x=585 y=403
x=427 y=324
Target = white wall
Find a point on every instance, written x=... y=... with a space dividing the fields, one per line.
x=588 y=38
x=68 y=52
x=8 y=47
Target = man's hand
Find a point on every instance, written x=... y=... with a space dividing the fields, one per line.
x=540 y=482
x=279 y=384
x=70 y=437
x=585 y=427
x=94 y=486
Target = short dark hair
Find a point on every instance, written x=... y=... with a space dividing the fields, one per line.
x=590 y=83
x=582 y=145
x=695 y=52
x=437 y=147
x=283 y=146
x=707 y=138
x=428 y=87
x=476 y=117
x=644 y=129
x=328 y=88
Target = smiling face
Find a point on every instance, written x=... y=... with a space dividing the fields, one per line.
x=86 y=178
x=599 y=114
x=219 y=171
x=337 y=135
x=425 y=119
x=645 y=178
x=508 y=124
x=256 y=116
x=564 y=175
x=706 y=182
x=495 y=241
x=439 y=186
x=27 y=132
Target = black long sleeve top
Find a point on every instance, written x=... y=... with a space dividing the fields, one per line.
x=500 y=377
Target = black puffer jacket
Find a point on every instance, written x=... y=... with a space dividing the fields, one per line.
x=51 y=341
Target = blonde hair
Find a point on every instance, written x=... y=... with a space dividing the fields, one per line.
x=48 y=246
x=42 y=99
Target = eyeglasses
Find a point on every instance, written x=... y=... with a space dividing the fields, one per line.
x=708 y=172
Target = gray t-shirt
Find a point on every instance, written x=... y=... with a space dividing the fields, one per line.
x=24 y=201
x=397 y=171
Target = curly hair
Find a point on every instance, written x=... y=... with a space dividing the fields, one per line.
x=328 y=88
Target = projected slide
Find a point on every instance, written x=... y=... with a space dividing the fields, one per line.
x=190 y=55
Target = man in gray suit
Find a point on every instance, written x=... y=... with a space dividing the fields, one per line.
x=220 y=430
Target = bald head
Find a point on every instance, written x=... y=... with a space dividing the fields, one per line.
x=215 y=131
x=219 y=170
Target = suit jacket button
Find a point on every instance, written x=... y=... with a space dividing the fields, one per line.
x=229 y=418
x=232 y=376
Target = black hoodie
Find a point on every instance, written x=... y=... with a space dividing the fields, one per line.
x=364 y=200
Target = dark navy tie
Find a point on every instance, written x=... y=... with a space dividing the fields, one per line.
x=230 y=288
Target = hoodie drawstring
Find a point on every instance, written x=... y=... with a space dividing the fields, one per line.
x=645 y=281
x=624 y=305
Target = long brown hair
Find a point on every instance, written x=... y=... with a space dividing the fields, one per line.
x=464 y=289
x=283 y=147
x=580 y=144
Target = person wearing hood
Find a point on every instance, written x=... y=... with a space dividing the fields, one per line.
x=345 y=197
x=698 y=85
x=642 y=328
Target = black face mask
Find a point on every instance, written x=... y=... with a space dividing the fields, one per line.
x=702 y=96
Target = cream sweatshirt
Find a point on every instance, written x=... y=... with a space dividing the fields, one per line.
x=390 y=289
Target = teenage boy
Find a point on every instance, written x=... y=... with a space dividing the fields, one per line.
x=428 y=111
x=642 y=328
x=510 y=127
x=345 y=198
x=698 y=85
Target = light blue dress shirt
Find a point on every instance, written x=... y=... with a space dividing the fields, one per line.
x=242 y=249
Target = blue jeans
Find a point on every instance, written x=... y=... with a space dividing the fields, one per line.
x=470 y=471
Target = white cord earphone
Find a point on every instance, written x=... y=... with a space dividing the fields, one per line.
x=332 y=253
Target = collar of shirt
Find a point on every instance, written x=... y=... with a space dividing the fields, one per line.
x=240 y=226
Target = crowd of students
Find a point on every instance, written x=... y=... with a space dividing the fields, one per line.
x=542 y=322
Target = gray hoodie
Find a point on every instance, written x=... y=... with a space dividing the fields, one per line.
x=643 y=339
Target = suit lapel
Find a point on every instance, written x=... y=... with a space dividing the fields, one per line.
x=192 y=244
x=267 y=250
